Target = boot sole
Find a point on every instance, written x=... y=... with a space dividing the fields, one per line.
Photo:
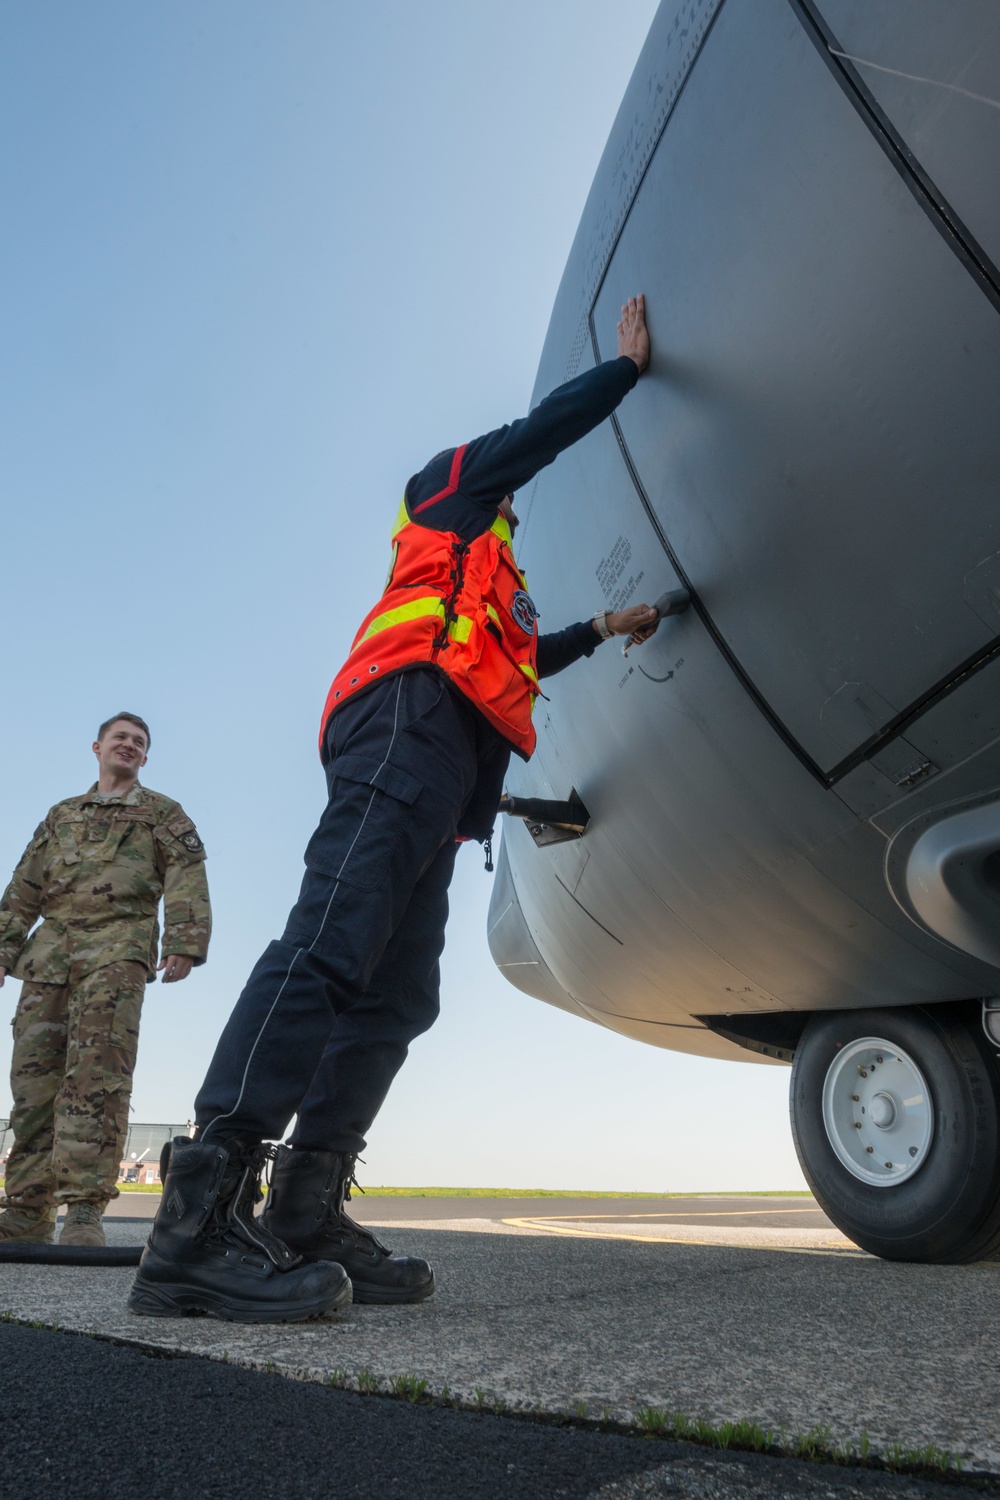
x=165 y=1301
x=372 y=1292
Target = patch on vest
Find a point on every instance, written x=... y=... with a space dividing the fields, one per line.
x=524 y=611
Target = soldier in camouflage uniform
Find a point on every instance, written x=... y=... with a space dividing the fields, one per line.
x=94 y=871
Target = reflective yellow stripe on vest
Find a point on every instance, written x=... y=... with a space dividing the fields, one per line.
x=418 y=609
x=532 y=677
x=403 y=613
x=402 y=519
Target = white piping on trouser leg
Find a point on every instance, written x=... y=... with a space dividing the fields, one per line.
x=336 y=885
x=364 y=820
x=263 y=1026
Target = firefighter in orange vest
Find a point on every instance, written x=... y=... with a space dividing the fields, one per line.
x=416 y=736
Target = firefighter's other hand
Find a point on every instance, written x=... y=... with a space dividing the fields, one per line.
x=640 y=622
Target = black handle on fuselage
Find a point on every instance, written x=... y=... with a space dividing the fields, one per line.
x=673 y=602
x=539 y=810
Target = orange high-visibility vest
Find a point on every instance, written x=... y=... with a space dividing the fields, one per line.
x=462 y=607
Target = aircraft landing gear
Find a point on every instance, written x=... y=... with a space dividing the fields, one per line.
x=896 y=1121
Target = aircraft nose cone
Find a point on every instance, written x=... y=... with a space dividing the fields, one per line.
x=882 y=1111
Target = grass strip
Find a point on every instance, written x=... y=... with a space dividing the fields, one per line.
x=504 y=1192
x=508 y=1192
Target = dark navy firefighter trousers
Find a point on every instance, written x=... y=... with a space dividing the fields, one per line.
x=328 y=1013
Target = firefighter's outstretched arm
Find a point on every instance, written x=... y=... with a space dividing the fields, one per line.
x=477 y=476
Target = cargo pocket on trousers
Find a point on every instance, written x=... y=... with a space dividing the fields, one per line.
x=119 y=1053
x=369 y=806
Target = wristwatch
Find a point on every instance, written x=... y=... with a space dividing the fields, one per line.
x=601 y=621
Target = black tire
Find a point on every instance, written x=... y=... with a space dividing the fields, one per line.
x=949 y=1210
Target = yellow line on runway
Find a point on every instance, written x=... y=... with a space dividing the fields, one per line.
x=708 y=1213
x=552 y=1226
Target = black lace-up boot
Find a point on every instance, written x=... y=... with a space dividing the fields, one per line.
x=208 y=1254
x=305 y=1207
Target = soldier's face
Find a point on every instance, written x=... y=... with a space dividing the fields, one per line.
x=122 y=751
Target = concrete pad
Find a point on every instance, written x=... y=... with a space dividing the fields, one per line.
x=786 y=1338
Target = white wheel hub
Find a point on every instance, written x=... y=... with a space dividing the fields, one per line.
x=877 y=1111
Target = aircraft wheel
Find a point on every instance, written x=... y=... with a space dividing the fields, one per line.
x=896 y=1121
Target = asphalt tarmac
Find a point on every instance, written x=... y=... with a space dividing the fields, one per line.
x=722 y=1309
x=101 y=1422
x=776 y=1221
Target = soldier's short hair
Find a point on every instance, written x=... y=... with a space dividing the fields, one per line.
x=129 y=718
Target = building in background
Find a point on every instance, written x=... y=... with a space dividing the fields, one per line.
x=141 y=1158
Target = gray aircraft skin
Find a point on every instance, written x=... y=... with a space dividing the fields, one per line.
x=793 y=852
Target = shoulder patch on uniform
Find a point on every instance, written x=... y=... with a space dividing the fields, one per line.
x=522 y=607
x=183 y=830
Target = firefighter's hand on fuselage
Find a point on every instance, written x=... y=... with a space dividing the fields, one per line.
x=633 y=338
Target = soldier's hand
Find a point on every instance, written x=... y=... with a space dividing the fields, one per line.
x=3 y=976
x=639 y=622
x=175 y=966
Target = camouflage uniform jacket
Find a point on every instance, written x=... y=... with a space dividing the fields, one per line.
x=95 y=871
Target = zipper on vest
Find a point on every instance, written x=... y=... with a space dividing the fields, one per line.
x=457 y=576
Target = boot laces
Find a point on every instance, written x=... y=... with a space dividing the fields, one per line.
x=361 y=1235
x=234 y=1224
x=349 y=1180
x=84 y=1213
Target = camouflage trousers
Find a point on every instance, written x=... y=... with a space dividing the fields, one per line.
x=71 y=1078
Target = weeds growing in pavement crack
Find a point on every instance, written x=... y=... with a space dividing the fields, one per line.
x=410 y=1387
x=814 y=1446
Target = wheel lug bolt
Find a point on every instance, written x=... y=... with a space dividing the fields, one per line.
x=855 y=1097
x=869 y=1149
x=857 y=1124
x=888 y=1163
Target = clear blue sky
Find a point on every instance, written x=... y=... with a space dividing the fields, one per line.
x=260 y=262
